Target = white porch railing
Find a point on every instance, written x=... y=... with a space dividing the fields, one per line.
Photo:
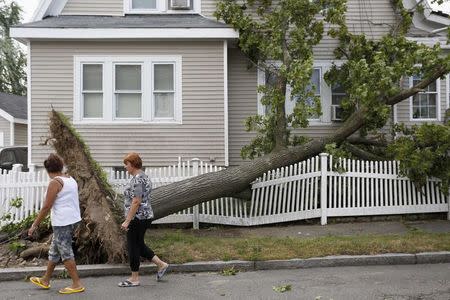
x=309 y=189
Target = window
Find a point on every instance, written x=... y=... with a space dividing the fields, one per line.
x=270 y=80
x=425 y=105
x=143 y=4
x=92 y=91
x=337 y=94
x=128 y=89
x=314 y=85
x=163 y=90
x=160 y=6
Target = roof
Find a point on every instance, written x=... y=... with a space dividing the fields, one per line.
x=128 y=21
x=14 y=105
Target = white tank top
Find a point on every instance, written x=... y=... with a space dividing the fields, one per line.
x=66 y=209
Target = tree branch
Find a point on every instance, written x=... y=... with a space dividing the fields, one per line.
x=361 y=153
x=440 y=71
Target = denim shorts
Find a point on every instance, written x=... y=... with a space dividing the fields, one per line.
x=61 y=247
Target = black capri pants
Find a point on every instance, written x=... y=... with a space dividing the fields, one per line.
x=135 y=242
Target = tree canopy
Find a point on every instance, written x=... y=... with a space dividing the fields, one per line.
x=12 y=58
x=279 y=38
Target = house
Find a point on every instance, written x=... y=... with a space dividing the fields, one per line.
x=13 y=120
x=165 y=79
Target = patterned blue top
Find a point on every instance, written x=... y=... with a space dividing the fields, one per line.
x=139 y=186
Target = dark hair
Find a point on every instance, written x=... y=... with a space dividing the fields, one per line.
x=134 y=159
x=53 y=163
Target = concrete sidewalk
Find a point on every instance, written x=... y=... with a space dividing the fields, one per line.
x=341 y=229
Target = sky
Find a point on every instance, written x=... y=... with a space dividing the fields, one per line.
x=29 y=6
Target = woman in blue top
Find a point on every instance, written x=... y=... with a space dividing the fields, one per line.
x=138 y=216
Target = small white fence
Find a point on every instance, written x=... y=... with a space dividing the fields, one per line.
x=309 y=189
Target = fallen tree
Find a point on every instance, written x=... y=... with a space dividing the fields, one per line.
x=286 y=33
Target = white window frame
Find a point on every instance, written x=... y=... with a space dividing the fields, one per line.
x=438 y=104
x=115 y=91
x=162 y=6
x=325 y=94
x=109 y=87
x=93 y=92
x=447 y=92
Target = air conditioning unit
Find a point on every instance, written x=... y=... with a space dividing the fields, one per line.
x=180 y=4
x=336 y=113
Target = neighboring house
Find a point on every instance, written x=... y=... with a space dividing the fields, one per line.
x=13 y=120
x=165 y=79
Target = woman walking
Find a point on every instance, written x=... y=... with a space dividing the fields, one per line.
x=138 y=217
x=63 y=204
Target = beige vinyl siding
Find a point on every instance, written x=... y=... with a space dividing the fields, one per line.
x=404 y=107
x=242 y=102
x=20 y=134
x=200 y=135
x=5 y=127
x=93 y=7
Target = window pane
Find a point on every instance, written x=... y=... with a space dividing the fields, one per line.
x=337 y=99
x=145 y=4
x=271 y=79
x=315 y=82
x=164 y=105
x=432 y=99
x=432 y=87
x=92 y=77
x=128 y=105
x=432 y=112
x=164 y=77
x=93 y=105
x=337 y=89
x=416 y=100
x=128 y=77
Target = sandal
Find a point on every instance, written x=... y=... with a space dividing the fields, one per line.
x=128 y=283
x=38 y=281
x=69 y=290
x=161 y=273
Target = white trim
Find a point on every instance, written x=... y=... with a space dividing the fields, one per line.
x=438 y=104
x=2 y=139
x=447 y=92
x=225 y=100
x=20 y=121
x=29 y=82
x=6 y=115
x=395 y=117
x=41 y=9
x=123 y=33
x=147 y=108
x=48 y=7
x=11 y=133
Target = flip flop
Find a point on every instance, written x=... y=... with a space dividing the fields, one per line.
x=161 y=273
x=69 y=290
x=37 y=281
x=127 y=283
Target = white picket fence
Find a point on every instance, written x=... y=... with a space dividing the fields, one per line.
x=312 y=189
x=309 y=189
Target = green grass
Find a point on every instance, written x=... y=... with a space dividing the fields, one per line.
x=178 y=247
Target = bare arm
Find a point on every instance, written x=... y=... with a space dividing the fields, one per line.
x=133 y=209
x=53 y=189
